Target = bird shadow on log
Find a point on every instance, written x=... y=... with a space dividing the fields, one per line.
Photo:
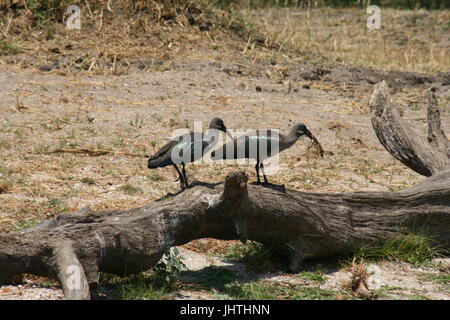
x=195 y=183
x=204 y=184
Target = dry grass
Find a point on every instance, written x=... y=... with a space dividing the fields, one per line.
x=117 y=36
x=409 y=40
x=157 y=38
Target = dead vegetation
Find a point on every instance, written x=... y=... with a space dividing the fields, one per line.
x=116 y=36
x=119 y=36
x=408 y=40
x=358 y=281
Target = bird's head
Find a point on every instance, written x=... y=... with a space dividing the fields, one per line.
x=300 y=129
x=217 y=123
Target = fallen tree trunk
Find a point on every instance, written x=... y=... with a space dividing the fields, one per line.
x=73 y=248
x=296 y=223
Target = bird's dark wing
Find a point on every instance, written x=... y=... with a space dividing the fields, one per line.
x=162 y=156
x=167 y=148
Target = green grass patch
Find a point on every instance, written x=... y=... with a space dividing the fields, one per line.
x=256 y=256
x=8 y=48
x=25 y=224
x=226 y=284
x=317 y=276
x=211 y=277
x=415 y=248
x=57 y=205
x=385 y=292
x=441 y=279
x=260 y=290
x=155 y=284
x=130 y=190
x=144 y=287
x=89 y=181
x=155 y=177
x=4 y=144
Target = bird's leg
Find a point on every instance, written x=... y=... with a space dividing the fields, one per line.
x=181 y=177
x=264 y=173
x=184 y=174
x=257 y=171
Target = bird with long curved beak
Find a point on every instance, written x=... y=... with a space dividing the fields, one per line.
x=187 y=148
x=262 y=144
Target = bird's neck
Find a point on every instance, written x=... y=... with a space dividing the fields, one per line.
x=211 y=136
x=291 y=139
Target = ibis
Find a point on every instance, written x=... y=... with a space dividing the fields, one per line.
x=262 y=144
x=187 y=148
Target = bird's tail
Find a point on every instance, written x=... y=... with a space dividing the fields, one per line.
x=150 y=165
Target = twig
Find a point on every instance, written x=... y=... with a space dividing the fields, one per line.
x=108 y=6
x=92 y=64
x=89 y=8
x=101 y=21
x=95 y=153
x=113 y=68
x=248 y=43
x=6 y=30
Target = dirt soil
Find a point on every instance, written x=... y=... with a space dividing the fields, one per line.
x=121 y=119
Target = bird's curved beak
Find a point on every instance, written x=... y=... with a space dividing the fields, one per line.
x=230 y=135
x=309 y=135
x=224 y=129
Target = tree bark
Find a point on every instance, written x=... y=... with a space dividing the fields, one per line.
x=73 y=248
x=425 y=156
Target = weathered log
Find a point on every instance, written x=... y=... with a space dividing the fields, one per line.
x=425 y=156
x=300 y=225
x=73 y=248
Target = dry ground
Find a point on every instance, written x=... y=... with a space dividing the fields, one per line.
x=129 y=116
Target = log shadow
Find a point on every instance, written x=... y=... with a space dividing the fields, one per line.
x=215 y=277
x=235 y=282
x=208 y=278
